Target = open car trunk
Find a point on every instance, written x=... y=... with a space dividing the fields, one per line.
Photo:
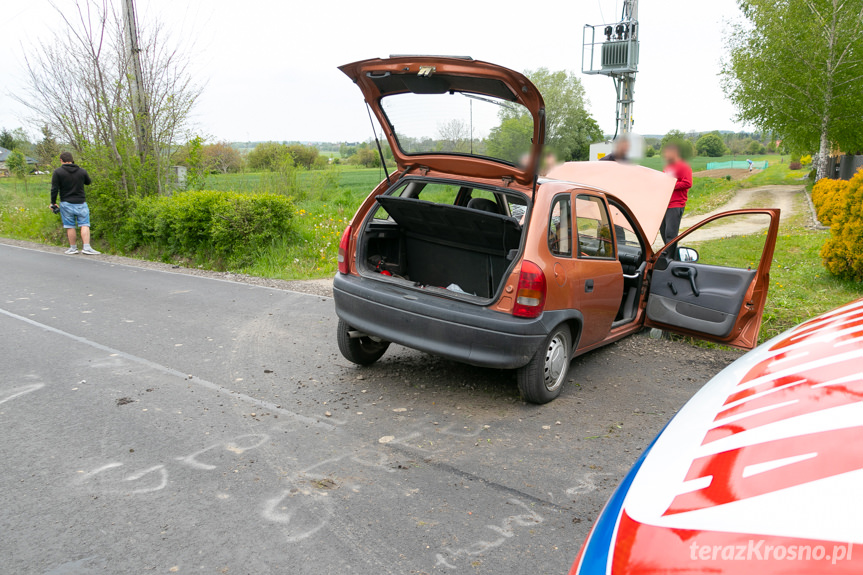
x=429 y=245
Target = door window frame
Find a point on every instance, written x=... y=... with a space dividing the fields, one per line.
x=609 y=224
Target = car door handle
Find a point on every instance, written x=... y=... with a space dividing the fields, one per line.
x=687 y=273
x=588 y=286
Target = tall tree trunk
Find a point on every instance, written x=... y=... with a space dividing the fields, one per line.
x=823 y=151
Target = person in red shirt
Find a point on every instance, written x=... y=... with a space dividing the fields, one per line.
x=675 y=166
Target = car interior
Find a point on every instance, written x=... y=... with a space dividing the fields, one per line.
x=441 y=235
x=631 y=254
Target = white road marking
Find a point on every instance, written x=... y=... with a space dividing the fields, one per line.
x=170 y=371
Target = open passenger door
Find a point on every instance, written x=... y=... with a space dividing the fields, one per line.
x=715 y=298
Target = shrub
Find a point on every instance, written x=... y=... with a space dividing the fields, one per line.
x=225 y=226
x=806 y=160
x=651 y=151
x=843 y=252
x=728 y=177
x=795 y=166
x=829 y=197
x=710 y=145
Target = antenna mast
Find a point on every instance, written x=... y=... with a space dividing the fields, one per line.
x=612 y=50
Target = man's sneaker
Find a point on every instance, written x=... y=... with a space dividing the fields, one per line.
x=72 y=250
x=89 y=251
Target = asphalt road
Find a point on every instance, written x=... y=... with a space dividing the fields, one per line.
x=154 y=422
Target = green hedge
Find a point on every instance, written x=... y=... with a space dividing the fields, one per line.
x=223 y=226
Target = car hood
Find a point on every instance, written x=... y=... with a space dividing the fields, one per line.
x=435 y=80
x=645 y=192
x=767 y=455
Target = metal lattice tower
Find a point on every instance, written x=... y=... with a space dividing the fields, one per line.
x=613 y=51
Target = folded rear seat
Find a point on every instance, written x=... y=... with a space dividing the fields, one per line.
x=452 y=244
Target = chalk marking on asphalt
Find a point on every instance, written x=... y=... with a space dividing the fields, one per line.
x=170 y=371
x=586 y=484
x=146 y=269
x=506 y=531
x=230 y=445
x=163 y=479
x=23 y=390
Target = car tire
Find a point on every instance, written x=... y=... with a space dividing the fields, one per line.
x=359 y=350
x=541 y=380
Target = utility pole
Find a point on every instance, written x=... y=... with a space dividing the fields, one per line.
x=140 y=107
x=615 y=56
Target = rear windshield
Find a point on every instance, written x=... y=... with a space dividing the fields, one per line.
x=460 y=123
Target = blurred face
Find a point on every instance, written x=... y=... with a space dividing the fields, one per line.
x=671 y=154
x=621 y=148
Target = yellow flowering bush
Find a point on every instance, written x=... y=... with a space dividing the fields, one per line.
x=829 y=197
x=843 y=252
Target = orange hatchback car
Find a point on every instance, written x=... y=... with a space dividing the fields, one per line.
x=466 y=253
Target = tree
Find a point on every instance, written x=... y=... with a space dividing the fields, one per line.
x=79 y=84
x=222 y=158
x=710 y=145
x=196 y=176
x=17 y=164
x=679 y=139
x=47 y=149
x=740 y=146
x=569 y=127
x=511 y=140
x=304 y=156
x=366 y=157
x=16 y=139
x=7 y=140
x=796 y=67
x=454 y=136
x=755 y=148
x=267 y=156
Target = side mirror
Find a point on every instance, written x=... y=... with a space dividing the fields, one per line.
x=687 y=255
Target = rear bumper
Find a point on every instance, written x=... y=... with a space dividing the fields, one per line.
x=456 y=330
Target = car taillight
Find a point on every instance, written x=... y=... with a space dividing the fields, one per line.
x=530 y=295
x=344 y=247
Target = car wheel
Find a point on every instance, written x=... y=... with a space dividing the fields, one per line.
x=542 y=379
x=359 y=350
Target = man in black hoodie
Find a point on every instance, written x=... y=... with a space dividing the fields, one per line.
x=68 y=181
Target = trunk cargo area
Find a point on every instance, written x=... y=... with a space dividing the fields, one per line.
x=438 y=245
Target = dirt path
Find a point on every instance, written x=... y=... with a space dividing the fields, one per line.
x=791 y=200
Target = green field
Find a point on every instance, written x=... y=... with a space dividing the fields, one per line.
x=699 y=163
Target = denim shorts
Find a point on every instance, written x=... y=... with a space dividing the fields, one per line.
x=72 y=213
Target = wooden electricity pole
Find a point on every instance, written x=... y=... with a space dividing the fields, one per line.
x=140 y=108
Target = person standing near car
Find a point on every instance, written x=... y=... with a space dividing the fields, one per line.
x=68 y=183
x=676 y=167
x=620 y=151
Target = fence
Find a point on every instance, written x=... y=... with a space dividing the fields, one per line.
x=738 y=165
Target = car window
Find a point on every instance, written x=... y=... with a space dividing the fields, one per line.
x=735 y=241
x=517 y=207
x=594 y=231
x=449 y=194
x=484 y=194
x=439 y=193
x=560 y=227
x=428 y=191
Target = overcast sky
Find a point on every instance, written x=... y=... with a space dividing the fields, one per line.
x=270 y=65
